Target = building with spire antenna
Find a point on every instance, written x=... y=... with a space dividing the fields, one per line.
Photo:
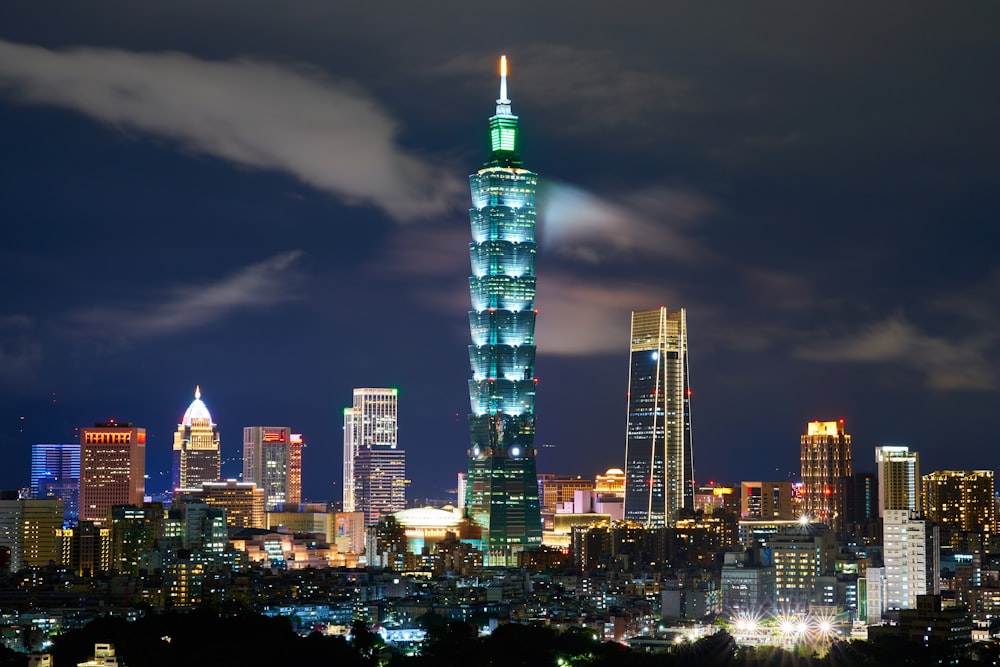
x=502 y=487
x=197 y=455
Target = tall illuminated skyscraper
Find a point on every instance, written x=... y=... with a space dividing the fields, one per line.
x=659 y=458
x=55 y=473
x=197 y=455
x=112 y=468
x=825 y=455
x=371 y=424
x=272 y=459
x=898 y=478
x=374 y=464
x=502 y=486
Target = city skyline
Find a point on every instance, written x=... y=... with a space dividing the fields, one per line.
x=819 y=198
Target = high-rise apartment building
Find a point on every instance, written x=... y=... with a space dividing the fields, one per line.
x=659 y=459
x=766 y=500
x=961 y=502
x=898 y=478
x=502 y=486
x=272 y=459
x=112 y=468
x=372 y=424
x=911 y=551
x=55 y=473
x=197 y=453
x=825 y=456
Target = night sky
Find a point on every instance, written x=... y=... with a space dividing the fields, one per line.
x=269 y=200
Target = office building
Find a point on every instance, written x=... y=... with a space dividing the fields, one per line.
x=502 y=485
x=28 y=529
x=962 y=503
x=134 y=532
x=55 y=473
x=197 y=454
x=825 y=456
x=766 y=500
x=898 y=478
x=84 y=549
x=659 y=459
x=554 y=490
x=860 y=518
x=372 y=422
x=112 y=468
x=272 y=459
x=911 y=552
x=801 y=555
x=379 y=482
x=243 y=502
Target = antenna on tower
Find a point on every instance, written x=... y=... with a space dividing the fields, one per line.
x=503 y=81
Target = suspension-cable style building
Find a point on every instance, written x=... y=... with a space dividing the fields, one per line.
x=502 y=486
x=659 y=459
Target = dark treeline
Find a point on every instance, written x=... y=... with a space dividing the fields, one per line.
x=203 y=637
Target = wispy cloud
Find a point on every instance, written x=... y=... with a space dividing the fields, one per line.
x=947 y=364
x=582 y=318
x=327 y=133
x=655 y=223
x=191 y=306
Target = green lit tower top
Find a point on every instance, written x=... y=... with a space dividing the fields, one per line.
x=502 y=486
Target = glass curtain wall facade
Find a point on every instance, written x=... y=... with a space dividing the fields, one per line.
x=272 y=459
x=659 y=459
x=372 y=422
x=55 y=473
x=502 y=485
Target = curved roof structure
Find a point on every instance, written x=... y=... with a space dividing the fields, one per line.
x=427 y=517
x=196 y=412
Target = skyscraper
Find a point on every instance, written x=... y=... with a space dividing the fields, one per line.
x=272 y=459
x=197 y=456
x=55 y=473
x=370 y=423
x=825 y=457
x=659 y=459
x=112 y=468
x=502 y=486
x=898 y=478
x=911 y=551
x=962 y=502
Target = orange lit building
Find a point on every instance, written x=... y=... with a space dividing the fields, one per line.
x=825 y=456
x=112 y=468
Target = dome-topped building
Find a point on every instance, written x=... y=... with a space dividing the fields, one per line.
x=197 y=412
x=197 y=455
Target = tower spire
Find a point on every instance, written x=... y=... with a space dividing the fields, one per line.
x=503 y=81
x=197 y=391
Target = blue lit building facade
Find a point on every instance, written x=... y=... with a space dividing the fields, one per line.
x=55 y=473
x=659 y=461
x=502 y=487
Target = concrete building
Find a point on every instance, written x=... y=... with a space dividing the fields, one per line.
x=112 y=468
x=28 y=528
x=912 y=558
